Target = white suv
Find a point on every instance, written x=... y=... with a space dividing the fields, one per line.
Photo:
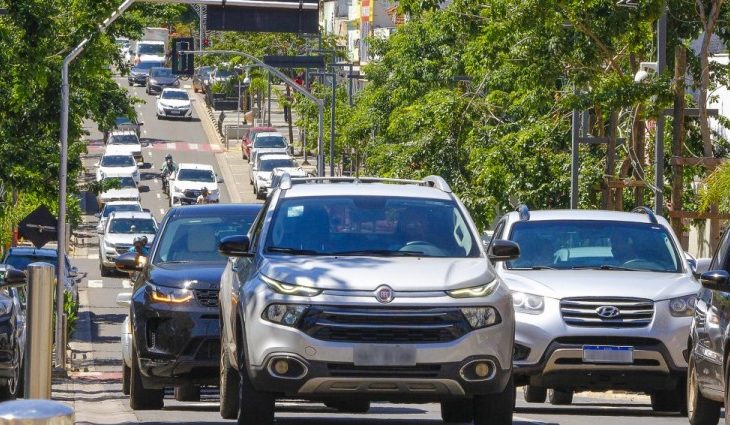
x=125 y=141
x=119 y=233
x=603 y=301
x=188 y=182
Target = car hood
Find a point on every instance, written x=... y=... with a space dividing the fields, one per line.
x=131 y=170
x=121 y=193
x=367 y=273
x=164 y=80
x=600 y=283
x=174 y=102
x=126 y=238
x=188 y=185
x=196 y=275
x=130 y=149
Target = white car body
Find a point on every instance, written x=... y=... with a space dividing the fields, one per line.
x=122 y=194
x=261 y=174
x=110 y=207
x=261 y=150
x=293 y=172
x=184 y=191
x=113 y=244
x=147 y=57
x=114 y=144
x=177 y=108
x=132 y=170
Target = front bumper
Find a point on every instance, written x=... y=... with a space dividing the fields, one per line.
x=157 y=88
x=175 y=112
x=180 y=198
x=137 y=79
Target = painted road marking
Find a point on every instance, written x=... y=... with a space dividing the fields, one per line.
x=158 y=196
x=93 y=256
x=126 y=283
x=162 y=211
x=94 y=283
x=193 y=146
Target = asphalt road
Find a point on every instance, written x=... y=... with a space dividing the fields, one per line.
x=190 y=145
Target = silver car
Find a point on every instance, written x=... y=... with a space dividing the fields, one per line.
x=603 y=301
x=121 y=228
x=351 y=290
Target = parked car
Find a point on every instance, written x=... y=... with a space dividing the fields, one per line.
x=12 y=335
x=20 y=256
x=188 y=182
x=249 y=135
x=201 y=78
x=174 y=103
x=141 y=71
x=352 y=291
x=125 y=124
x=125 y=141
x=122 y=227
x=268 y=142
x=278 y=173
x=118 y=164
x=261 y=173
x=127 y=191
x=175 y=337
x=161 y=78
x=111 y=207
x=603 y=301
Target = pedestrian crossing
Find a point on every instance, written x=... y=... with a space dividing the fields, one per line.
x=109 y=283
x=97 y=146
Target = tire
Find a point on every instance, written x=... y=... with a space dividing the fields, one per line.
x=457 y=411
x=140 y=398
x=560 y=397
x=126 y=373
x=255 y=407
x=349 y=406
x=495 y=409
x=700 y=410
x=187 y=392
x=228 y=388
x=105 y=272
x=534 y=394
x=12 y=388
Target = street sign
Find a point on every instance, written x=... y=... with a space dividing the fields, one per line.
x=295 y=61
x=183 y=63
x=263 y=19
x=39 y=227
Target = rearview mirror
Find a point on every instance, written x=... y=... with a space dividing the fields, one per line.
x=12 y=278
x=235 y=246
x=124 y=299
x=503 y=250
x=716 y=280
x=128 y=262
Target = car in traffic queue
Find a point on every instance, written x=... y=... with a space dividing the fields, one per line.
x=140 y=72
x=120 y=231
x=262 y=171
x=19 y=257
x=125 y=124
x=201 y=77
x=125 y=142
x=161 y=78
x=117 y=163
x=13 y=312
x=278 y=173
x=347 y=291
x=188 y=181
x=127 y=190
x=603 y=301
x=113 y=206
x=173 y=337
x=249 y=135
x=268 y=142
x=174 y=103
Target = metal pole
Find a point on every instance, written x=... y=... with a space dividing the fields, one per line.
x=238 y=108
x=40 y=337
x=659 y=146
x=349 y=77
x=575 y=158
x=35 y=412
x=268 y=106
x=332 y=119
x=320 y=152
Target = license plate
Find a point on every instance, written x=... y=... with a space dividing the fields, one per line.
x=608 y=354
x=384 y=355
x=174 y=112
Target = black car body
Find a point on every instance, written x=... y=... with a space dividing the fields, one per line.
x=19 y=258
x=161 y=78
x=139 y=73
x=12 y=338
x=174 y=309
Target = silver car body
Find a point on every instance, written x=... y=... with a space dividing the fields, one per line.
x=113 y=244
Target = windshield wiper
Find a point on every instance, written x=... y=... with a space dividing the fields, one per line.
x=293 y=251
x=176 y=262
x=380 y=252
x=540 y=267
x=606 y=267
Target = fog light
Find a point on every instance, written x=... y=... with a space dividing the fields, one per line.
x=281 y=367
x=481 y=369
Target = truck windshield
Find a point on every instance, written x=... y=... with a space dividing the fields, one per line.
x=151 y=49
x=606 y=245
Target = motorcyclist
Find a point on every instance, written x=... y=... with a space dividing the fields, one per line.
x=140 y=246
x=203 y=197
x=168 y=167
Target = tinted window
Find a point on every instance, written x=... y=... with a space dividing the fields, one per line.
x=161 y=72
x=568 y=244
x=132 y=225
x=269 y=142
x=151 y=49
x=21 y=262
x=270 y=164
x=203 y=176
x=176 y=95
x=117 y=161
x=108 y=209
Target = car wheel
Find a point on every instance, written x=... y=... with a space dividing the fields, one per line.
x=495 y=409
x=534 y=394
x=187 y=392
x=228 y=388
x=457 y=411
x=700 y=410
x=103 y=270
x=255 y=407
x=141 y=398
x=349 y=406
x=126 y=373
x=560 y=397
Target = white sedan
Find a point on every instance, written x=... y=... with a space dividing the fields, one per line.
x=174 y=103
x=117 y=164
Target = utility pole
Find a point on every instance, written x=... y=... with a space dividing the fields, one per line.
x=659 y=145
x=575 y=157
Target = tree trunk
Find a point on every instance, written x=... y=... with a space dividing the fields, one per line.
x=680 y=67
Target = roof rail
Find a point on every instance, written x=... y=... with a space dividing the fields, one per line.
x=523 y=212
x=438 y=182
x=647 y=211
x=430 y=181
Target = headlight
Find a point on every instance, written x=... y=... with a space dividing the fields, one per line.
x=287 y=289
x=284 y=314
x=110 y=245
x=481 y=317
x=476 y=291
x=163 y=294
x=528 y=303
x=178 y=189
x=5 y=307
x=153 y=81
x=683 y=306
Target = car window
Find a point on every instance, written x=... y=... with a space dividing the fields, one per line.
x=124 y=139
x=570 y=244
x=108 y=209
x=174 y=95
x=370 y=225
x=270 y=164
x=720 y=260
x=151 y=49
x=269 y=142
x=132 y=225
x=161 y=72
x=125 y=182
x=117 y=161
x=21 y=262
x=202 y=176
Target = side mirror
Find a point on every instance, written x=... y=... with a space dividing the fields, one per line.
x=13 y=278
x=73 y=272
x=717 y=280
x=128 y=263
x=220 y=179
x=124 y=299
x=503 y=250
x=235 y=246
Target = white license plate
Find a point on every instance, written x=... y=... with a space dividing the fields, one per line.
x=384 y=355
x=608 y=354
x=174 y=112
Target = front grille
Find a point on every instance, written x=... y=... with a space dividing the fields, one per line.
x=384 y=325
x=632 y=312
x=351 y=371
x=121 y=249
x=190 y=193
x=207 y=297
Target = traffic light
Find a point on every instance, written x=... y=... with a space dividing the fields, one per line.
x=182 y=63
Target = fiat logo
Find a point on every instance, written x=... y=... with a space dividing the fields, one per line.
x=384 y=294
x=608 y=311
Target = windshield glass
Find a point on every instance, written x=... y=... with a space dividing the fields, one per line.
x=161 y=72
x=269 y=142
x=125 y=182
x=270 y=164
x=117 y=161
x=195 y=239
x=206 y=71
x=607 y=245
x=151 y=49
x=108 y=209
x=147 y=65
x=123 y=139
x=370 y=226
x=132 y=225
x=223 y=73
x=203 y=176
x=174 y=95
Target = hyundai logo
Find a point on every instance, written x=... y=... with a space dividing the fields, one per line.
x=384 y=294
x=608 y=311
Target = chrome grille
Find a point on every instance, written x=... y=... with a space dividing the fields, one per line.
x=121 y=249
x=207 y=297
x=632 y=312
